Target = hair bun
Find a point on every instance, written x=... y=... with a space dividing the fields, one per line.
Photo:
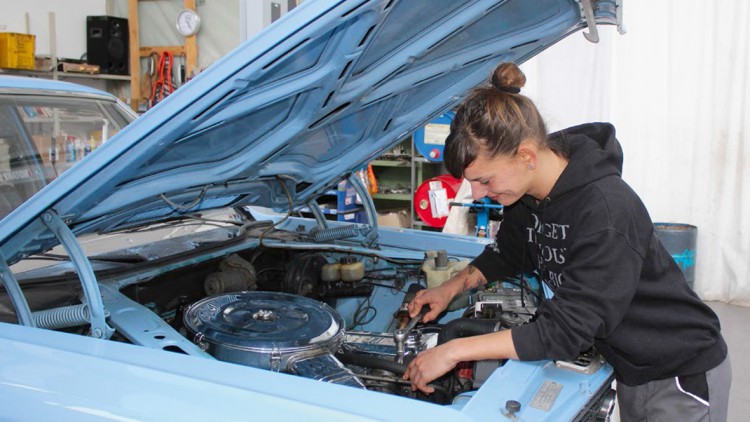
x=507 y=77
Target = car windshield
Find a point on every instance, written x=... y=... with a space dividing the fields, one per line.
x=41 y=136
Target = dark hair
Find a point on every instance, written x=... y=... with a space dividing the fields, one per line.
x=495 y=117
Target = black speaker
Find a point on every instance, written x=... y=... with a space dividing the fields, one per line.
x=107 y=44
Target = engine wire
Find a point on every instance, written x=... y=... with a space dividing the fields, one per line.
x=393 y=289
x=360 y=313
x=280 y=179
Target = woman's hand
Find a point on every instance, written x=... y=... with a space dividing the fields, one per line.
x=428 y=366
x=437 y=298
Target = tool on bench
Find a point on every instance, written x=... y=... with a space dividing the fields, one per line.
x=483 y=208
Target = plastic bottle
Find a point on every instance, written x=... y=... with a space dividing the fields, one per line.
x=79 y=149
x=331 y=272
x=351 y=269
x=438 y=269
x=54 y=152
x=70 y=150
x=90 y=145
x=4 y=156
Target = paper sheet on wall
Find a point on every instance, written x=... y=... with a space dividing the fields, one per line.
x=439 y=203
x=435 y=134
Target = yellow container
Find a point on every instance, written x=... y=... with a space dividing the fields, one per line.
x=17 y=50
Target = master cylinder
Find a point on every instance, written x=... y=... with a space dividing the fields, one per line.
x=438 y=269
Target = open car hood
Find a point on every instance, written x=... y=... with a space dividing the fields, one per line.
x=316 y=95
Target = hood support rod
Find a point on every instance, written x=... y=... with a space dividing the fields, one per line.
x=91 y=292
x=372 y=236
x=16 y=294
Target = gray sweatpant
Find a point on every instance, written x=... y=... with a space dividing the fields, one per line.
x=667 y=400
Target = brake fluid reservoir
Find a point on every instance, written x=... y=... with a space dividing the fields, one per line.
x=351 y=269
x=438 y=269
x=331 y=272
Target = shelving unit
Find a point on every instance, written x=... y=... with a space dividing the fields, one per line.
x=112 y=83
x=58 y=74
x=399 y=173
x=342 y=205
x=115 y=83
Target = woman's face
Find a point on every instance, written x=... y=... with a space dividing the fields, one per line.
x=504 y=179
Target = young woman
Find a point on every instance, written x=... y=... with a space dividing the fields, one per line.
x=570 y=218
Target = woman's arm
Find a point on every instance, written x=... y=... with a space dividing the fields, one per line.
x=432 y=363
x=438 y=298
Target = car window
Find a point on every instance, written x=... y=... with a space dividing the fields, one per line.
x=42 y=136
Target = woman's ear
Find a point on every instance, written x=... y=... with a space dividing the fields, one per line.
x=527 y=153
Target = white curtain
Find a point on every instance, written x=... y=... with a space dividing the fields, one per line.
x=676 y=86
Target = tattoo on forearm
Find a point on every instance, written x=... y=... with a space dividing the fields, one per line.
x=472 y=284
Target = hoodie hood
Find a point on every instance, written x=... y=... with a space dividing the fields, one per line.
x=593 y=152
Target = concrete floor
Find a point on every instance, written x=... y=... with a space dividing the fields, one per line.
x=735 y=322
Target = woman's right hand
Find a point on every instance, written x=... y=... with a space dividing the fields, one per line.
x=438 y=298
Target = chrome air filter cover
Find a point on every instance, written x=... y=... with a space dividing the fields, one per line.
x=263 y=329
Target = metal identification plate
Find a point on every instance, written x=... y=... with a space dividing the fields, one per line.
x=546 y=396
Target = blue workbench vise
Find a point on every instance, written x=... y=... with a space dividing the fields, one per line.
x=483 y=208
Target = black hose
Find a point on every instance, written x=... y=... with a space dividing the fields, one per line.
x=371 y=361
x=463 y=327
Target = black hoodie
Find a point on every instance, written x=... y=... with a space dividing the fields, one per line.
x=616 y=287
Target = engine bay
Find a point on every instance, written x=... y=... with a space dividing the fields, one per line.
x=330 y=316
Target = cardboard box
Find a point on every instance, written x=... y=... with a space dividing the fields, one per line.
x=17 y=51
x=394 y=218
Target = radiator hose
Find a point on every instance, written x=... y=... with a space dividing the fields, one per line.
x=463 y=327
x=370 y=361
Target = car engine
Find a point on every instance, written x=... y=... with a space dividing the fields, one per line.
x=328 y=316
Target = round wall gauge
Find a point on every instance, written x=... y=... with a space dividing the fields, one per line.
x=188 y=22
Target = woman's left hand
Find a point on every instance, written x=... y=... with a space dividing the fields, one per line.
x=428 y=365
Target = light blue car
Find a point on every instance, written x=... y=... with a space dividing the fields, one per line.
x=161 y=269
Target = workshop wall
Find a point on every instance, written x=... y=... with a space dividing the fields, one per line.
x=32 y=17
x=219 y=32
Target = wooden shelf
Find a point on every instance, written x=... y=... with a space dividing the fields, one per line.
x=393 y=196
x=50 y=74
x=391 y=163
x=93 y=76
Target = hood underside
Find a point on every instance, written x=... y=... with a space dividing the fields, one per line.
x=316 y=95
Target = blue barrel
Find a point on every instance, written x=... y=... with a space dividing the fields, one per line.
x=430 y=139
x=680 y=241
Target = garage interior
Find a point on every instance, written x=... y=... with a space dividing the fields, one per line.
x=676 y=85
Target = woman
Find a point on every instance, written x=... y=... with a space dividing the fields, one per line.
x=571 y=218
